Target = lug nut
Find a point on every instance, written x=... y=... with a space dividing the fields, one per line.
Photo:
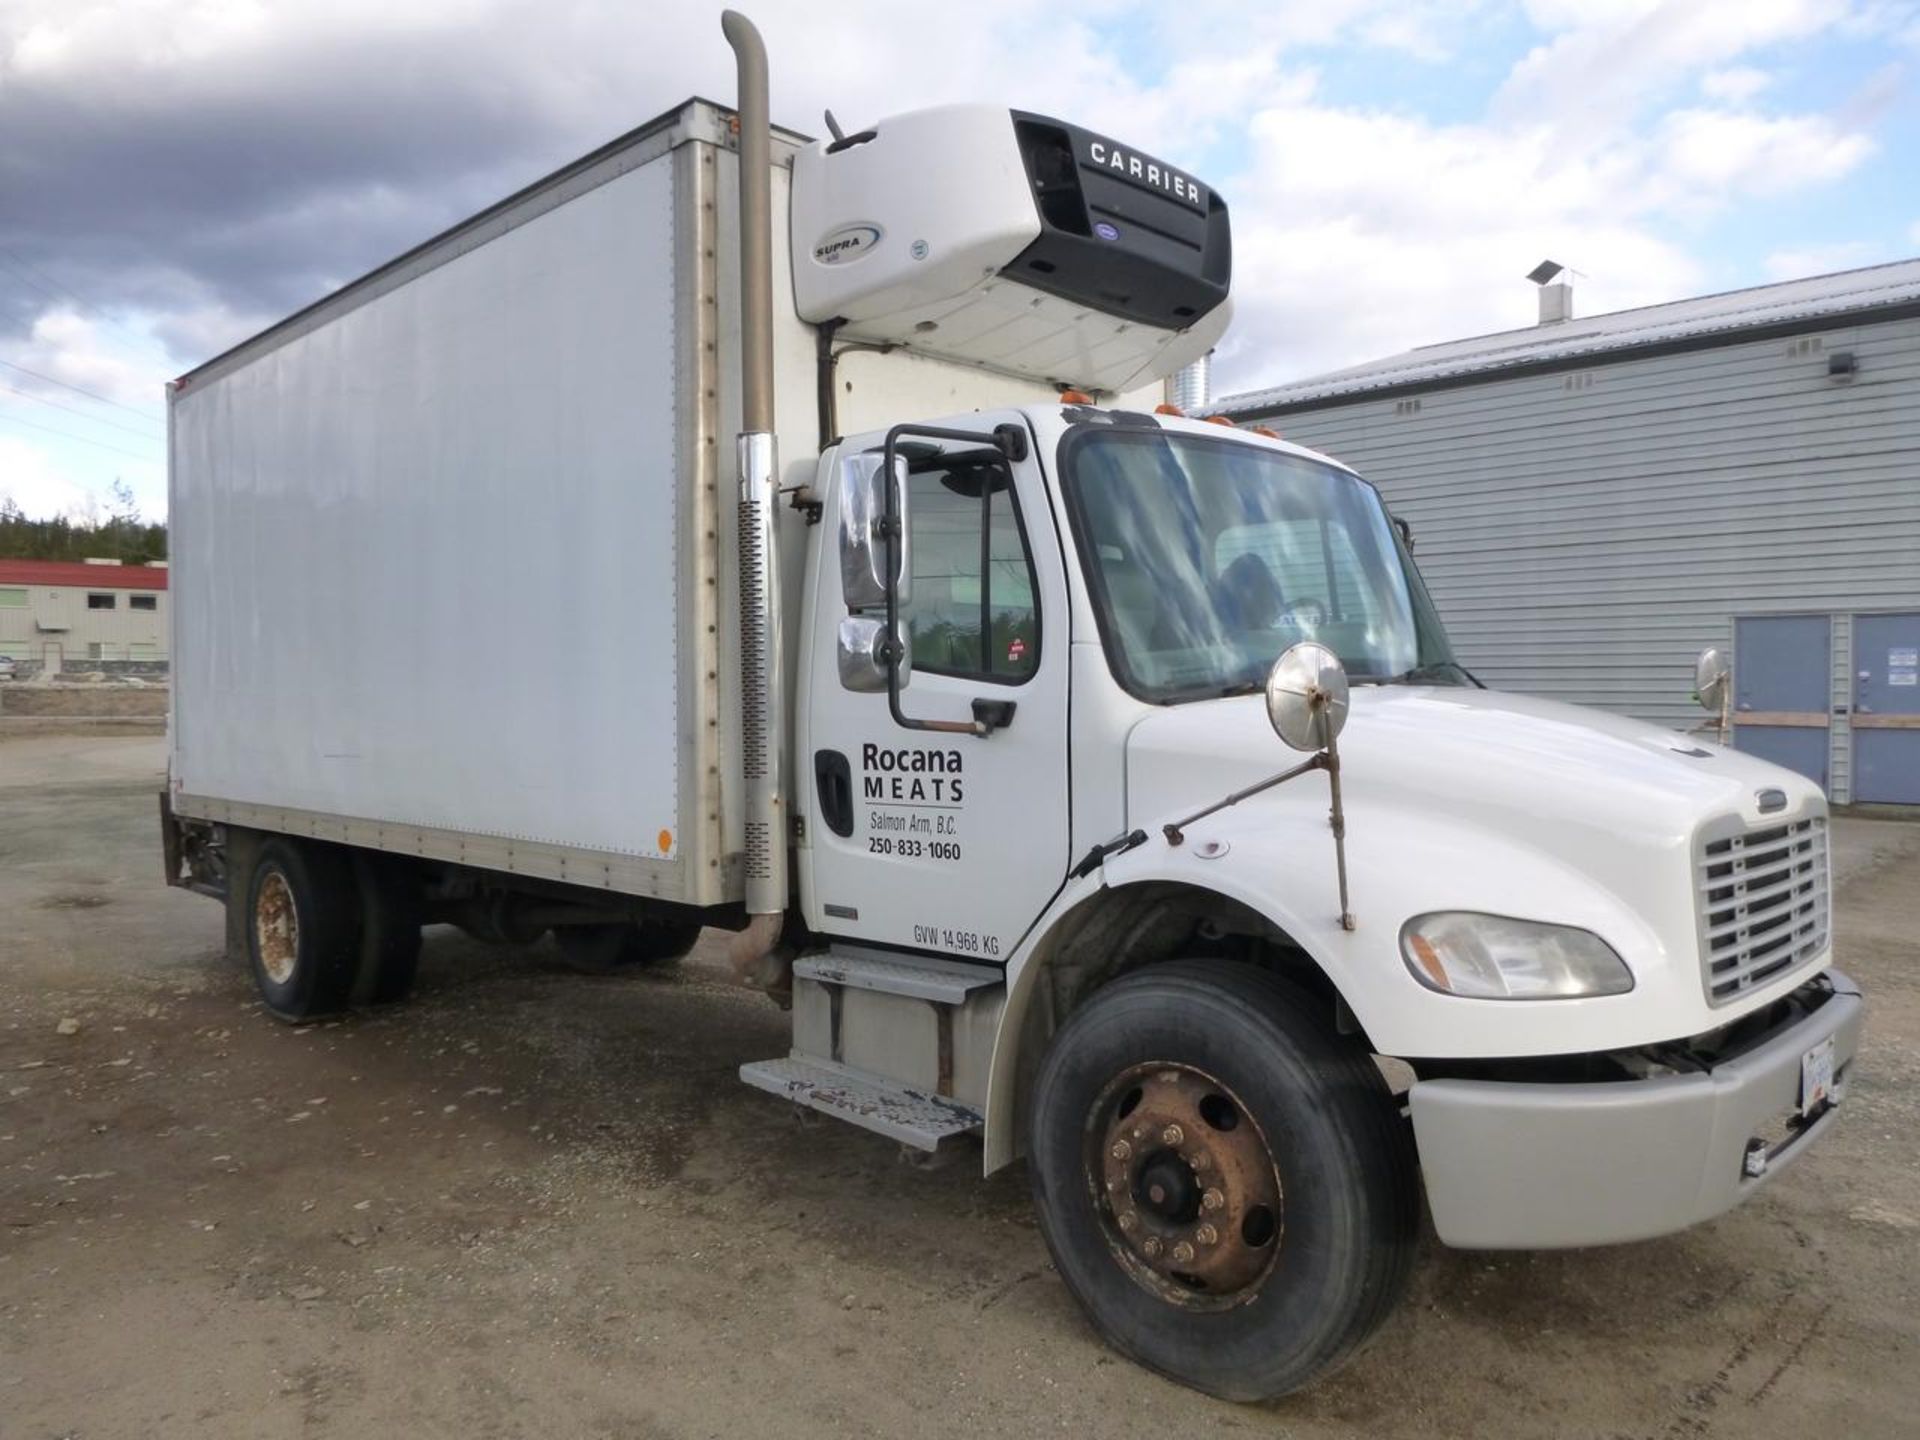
x=1212 y=1199
x=1127 y=1220
x=1183 y=1252
x=1200 y=1160
x=1206 y=1235
x=1152 y=1246
x=1172 y=1135
x=1121 y=1150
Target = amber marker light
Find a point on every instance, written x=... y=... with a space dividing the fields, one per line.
x=1429 y=959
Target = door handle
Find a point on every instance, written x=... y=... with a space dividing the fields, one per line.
x=833 y=781
x=993 y=714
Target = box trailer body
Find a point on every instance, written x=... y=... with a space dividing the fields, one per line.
x=713 y=534
x=419 y=522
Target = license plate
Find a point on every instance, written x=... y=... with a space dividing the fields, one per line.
x=1816 y=1077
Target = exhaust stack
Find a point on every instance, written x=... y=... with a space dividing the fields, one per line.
x=763 y=737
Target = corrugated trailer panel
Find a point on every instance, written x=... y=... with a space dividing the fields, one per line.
x=1585 y=533
x=427 y=554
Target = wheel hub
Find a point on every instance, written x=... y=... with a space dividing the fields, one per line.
x=276 y=927
x=1186 y=1187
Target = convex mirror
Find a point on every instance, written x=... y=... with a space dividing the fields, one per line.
x=1307 y=696
x=1711 y=674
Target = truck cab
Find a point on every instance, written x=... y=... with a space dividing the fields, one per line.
x=1600 y=950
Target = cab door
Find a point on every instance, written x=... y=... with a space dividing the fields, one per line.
x=950 y=840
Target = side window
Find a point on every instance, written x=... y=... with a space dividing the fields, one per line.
x=973 y=611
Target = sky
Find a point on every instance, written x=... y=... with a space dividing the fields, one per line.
x=177 y=174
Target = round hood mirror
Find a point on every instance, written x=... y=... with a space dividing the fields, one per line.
x=1307 y=696
x=1711 y=673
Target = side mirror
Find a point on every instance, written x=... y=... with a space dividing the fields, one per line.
x=1711 y=676
x=1307 y=696
x=863 y=545
x=863 y=655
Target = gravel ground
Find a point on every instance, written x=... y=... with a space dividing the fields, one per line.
x=528 y=1203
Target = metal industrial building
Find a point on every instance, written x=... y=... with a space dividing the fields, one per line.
x=1595 y=500
x=57 y=614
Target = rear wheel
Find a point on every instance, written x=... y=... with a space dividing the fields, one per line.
x=301 y=923
x=602 y=949
x=391 y=914
x=1226 y=1187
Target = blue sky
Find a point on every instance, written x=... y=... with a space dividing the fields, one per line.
x=173 y=177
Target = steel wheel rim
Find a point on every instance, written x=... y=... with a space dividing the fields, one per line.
x=276 y=927
x=1185 y=1186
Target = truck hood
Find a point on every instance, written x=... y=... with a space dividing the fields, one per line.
x=1466 y=800
x=1478 y=757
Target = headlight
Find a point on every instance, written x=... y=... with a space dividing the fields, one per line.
x=1492 y=957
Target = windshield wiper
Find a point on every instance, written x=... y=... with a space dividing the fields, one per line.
x=1421 y=674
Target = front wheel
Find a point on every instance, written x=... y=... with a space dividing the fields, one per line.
x=1226 y=1186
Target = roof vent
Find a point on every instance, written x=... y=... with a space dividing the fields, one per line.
x=1556 y=296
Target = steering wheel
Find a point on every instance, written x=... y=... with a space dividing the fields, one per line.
x=1307 y=612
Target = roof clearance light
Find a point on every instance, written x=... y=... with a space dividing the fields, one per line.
x=1218 y=420
x=1075 y=397
x=1167 y=408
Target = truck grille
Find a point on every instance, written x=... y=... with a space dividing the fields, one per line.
x=1763 y=904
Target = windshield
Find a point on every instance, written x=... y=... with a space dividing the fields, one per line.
x=1209 y=557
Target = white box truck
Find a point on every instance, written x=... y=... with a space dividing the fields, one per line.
x=604 y=567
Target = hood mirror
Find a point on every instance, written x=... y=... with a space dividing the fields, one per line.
x=1713 y=688
x=1711 y=672
x=1307 y=707
x=1307 y=696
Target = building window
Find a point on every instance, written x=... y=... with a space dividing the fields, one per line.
x=143 y=602
x=973 y=611
x=97 y=601
x=13 y=597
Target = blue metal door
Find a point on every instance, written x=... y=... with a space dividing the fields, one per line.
x=1886 y=708
x=1782 y=689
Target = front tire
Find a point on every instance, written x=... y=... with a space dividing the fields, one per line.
x=1226 y=1187
x=301 y=921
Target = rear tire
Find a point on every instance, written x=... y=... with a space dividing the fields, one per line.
x=1257 y=1118
x=391 y=914
x=301 y=920
x=603 y=949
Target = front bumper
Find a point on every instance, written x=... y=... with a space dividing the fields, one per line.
x=1522 y=1166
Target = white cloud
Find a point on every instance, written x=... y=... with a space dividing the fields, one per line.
x=1807 y=260
x=1913 y=233
x=1362 y=234
x=79 y=351
x=1606 y=62
x=1734 y=86
x=1715 y=154
x=37 y=483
